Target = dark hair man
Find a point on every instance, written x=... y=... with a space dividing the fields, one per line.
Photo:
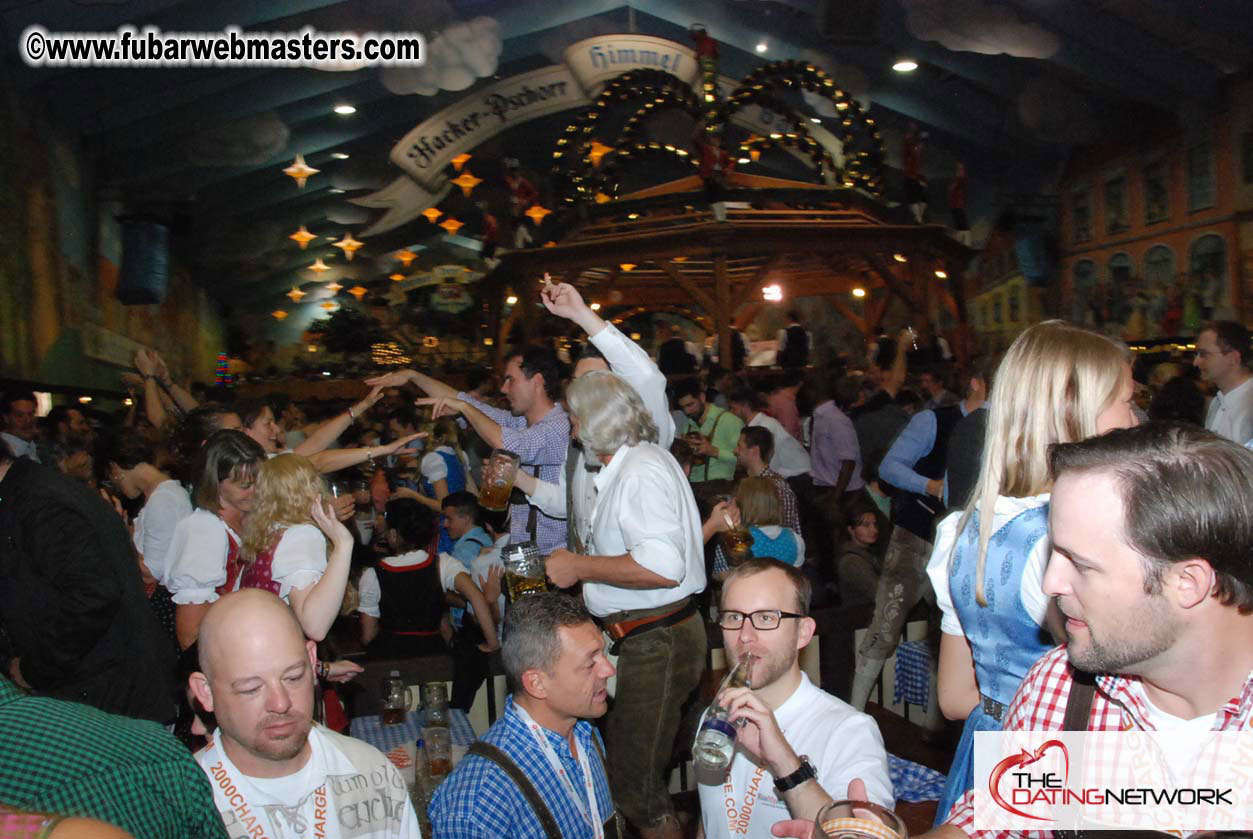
x=18 y=409
x=1222 y=356
x=72 y=601
x=535 y=427
x=539 y=771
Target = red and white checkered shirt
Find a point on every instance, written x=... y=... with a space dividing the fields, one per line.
x=787 y=500
x=1119 y=704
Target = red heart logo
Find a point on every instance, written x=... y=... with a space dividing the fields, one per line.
x=1026 y=758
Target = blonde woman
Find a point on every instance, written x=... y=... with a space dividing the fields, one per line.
x=284 y=547
x=1057 y=384
x=760 y=511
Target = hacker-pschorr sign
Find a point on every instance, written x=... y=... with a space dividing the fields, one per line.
x=425 y=152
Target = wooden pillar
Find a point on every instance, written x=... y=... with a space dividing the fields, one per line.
x=527 y=290
x=722 y=309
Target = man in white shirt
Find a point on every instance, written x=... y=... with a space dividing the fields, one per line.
x=273 y=771
x=1222 y=356
x=643 y=562
x=789 y=458
x=800 y=747
x=19 y=424
x=574 y=494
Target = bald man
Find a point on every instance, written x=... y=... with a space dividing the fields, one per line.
x=274 y=771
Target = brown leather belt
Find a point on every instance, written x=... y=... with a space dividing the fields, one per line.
x=636 y=621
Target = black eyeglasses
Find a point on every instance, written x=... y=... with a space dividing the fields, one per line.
x=761 y=619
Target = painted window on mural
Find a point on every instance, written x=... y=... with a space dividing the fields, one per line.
x=1015 y=304
x=1163 y=290
x=1081 y=215
x=1156 y=192
x=1207 y=289
x=1116 y=204
x=1082 y=295
x=1201 y=176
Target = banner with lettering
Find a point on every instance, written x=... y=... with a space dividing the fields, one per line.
x=426 y=151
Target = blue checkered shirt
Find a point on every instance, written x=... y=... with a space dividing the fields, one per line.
x=478 y=801
x=544 y=445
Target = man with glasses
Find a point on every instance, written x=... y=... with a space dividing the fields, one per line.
x=798 y=747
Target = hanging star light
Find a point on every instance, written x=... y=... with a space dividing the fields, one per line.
x=627 y=266
x=278 y=314
x=602 y=198
x=358 y=291
x=348 y=245
x=302 y=237
x=537 y=213
x=467 y=182
x=405 y=257
x=329 y=305
x=459 y=161
x=295 y=294
x=397 y=277
x=431 y=214
x=451 y=225
x=333 y=287
x=597 y=151
x=319 y=266
x=300 y=171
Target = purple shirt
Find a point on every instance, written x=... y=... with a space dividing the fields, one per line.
x=834 y=440
x=540 y=445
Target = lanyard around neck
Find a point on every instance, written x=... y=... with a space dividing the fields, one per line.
x=589 y=810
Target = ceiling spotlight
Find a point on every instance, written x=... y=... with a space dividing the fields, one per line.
x=345 y=109
x=335 y=191
x=941 y=274
x=772 y=293
x=905 y=65
x=761 y=47
x=84 y=399
x=511 y=300
x=815 y=120
x=859 y=292
x=899 y=257
x=339 y=155
x=326 y=372
x=595 y=307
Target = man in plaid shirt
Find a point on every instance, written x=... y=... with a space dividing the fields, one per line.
x=1152 y=567
x=535 y=428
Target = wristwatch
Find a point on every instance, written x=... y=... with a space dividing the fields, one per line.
x=803 y=773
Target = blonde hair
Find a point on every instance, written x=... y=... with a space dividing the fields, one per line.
x=758 y=502
x=287 y=485
x=1053 y=383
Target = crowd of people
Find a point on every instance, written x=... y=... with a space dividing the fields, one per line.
x=1081 y=526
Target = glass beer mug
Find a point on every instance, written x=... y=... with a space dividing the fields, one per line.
x=499 y=471
x=524 y=570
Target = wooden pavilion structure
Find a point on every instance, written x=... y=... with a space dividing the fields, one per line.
x=662 y=249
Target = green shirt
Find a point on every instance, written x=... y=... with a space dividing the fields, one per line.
x=63 y=757
x=722 y=428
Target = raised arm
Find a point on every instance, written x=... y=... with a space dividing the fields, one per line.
x=400 y=378
x=328 y=432
x=318 y=605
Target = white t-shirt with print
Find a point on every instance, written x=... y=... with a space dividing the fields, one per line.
x=841 y=743
x=330 y=796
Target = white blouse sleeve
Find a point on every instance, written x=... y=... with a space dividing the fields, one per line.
x=433 y=467
x=197 y=559
x=299 y=559
x=371 y=594
x=937 y=570
x=449 y=568
x=164 y=510
x=1034 y=600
